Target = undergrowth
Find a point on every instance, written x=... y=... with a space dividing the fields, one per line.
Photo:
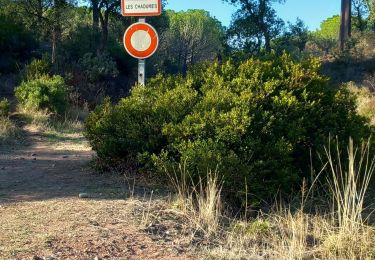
x=338 y=229
x=70 y=122
x=9 y=132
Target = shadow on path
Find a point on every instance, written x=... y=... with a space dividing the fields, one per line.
x=39 y=169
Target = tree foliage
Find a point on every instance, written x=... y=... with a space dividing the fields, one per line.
x=254 y=25
x=16 y=43
x=329 y=28
x=192 y=37
x=293 y=40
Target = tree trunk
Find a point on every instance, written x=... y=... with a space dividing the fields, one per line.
x=95 y=13
x=346 y=23
x=104 y=34
x=263 y=26
x=54 y=45
x=267 y=42
x=185 y=62
x=55 y=30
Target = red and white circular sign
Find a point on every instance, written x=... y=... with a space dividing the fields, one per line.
x=141 y=40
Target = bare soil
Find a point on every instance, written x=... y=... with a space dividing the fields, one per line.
x=42 y=216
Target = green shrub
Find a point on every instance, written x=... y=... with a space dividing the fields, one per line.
x=45 y=93
x=257 y=122
x=98 y=67
x=38 y=68
x=4 y=107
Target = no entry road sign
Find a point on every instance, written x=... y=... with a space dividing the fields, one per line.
x=141 y=7
x=141 y=40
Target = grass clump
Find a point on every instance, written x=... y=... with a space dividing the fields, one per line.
x=4 y=107
x=339 y=230
x=71 y=122
x=9 y=132
x=365 y=100
x=201 y=203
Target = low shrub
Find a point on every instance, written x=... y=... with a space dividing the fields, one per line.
x=4 y=107
x=256 y=123
x=45 y=93
x=38 y=68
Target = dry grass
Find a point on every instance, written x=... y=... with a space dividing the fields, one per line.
x=365 y=100
x=65 y=132
x=9 y=132
x=339 y=230
x=71 y=122
x=339 y=233
x=200 y=203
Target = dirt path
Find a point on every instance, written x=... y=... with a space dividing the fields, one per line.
x=42 y=169
x=42 y=217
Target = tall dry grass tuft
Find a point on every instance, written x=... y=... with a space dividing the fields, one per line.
x=200 y=203
x=181 y=183
x=349 y=186
x=337 y=231
x=208 y=197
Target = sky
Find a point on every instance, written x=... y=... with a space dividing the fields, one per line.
x=312 y=12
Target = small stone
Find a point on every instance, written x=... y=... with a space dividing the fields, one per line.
x=96 y=258
x=34 y=159
x=65 y=156
x=84 y=195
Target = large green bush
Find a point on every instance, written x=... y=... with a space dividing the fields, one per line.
x=257 y=122
x=45 y=93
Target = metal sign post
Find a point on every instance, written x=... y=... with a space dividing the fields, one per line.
x=141 y=72
x=142 y=63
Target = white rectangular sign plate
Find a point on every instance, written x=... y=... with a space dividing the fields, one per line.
x=141 y=7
